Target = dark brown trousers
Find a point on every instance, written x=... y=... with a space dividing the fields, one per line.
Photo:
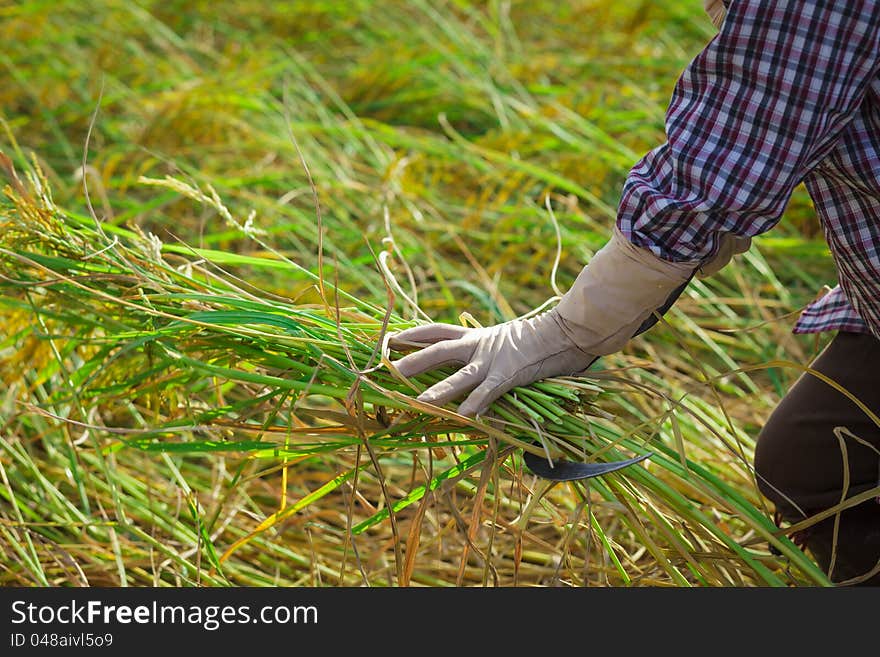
x=801 y=452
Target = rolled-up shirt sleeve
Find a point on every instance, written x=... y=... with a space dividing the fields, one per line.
x=755 y=110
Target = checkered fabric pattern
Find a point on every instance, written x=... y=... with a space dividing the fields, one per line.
x=787 y=92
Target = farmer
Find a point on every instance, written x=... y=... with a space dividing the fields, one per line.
x=787 y=92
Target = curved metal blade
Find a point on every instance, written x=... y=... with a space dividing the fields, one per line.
x=571 y=470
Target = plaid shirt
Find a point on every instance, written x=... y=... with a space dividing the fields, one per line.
x=787 y=92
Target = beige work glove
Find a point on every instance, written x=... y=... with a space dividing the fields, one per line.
x=606 y=306
x=729 y=245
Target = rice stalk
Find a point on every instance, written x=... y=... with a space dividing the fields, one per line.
x=137 y=347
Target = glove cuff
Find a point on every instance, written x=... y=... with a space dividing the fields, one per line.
x=616 y=292
x=729 y=245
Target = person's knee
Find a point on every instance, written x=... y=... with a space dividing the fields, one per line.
x=774 y=471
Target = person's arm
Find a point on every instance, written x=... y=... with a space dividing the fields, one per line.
x=755 y=110
x=760 y=106
x=612 y=300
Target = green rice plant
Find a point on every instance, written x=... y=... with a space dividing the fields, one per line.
x=167 y=421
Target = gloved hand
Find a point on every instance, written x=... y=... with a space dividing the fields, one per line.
x=607 y=304
x=495 y=358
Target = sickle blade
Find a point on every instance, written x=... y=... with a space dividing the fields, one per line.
x=572 y=471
